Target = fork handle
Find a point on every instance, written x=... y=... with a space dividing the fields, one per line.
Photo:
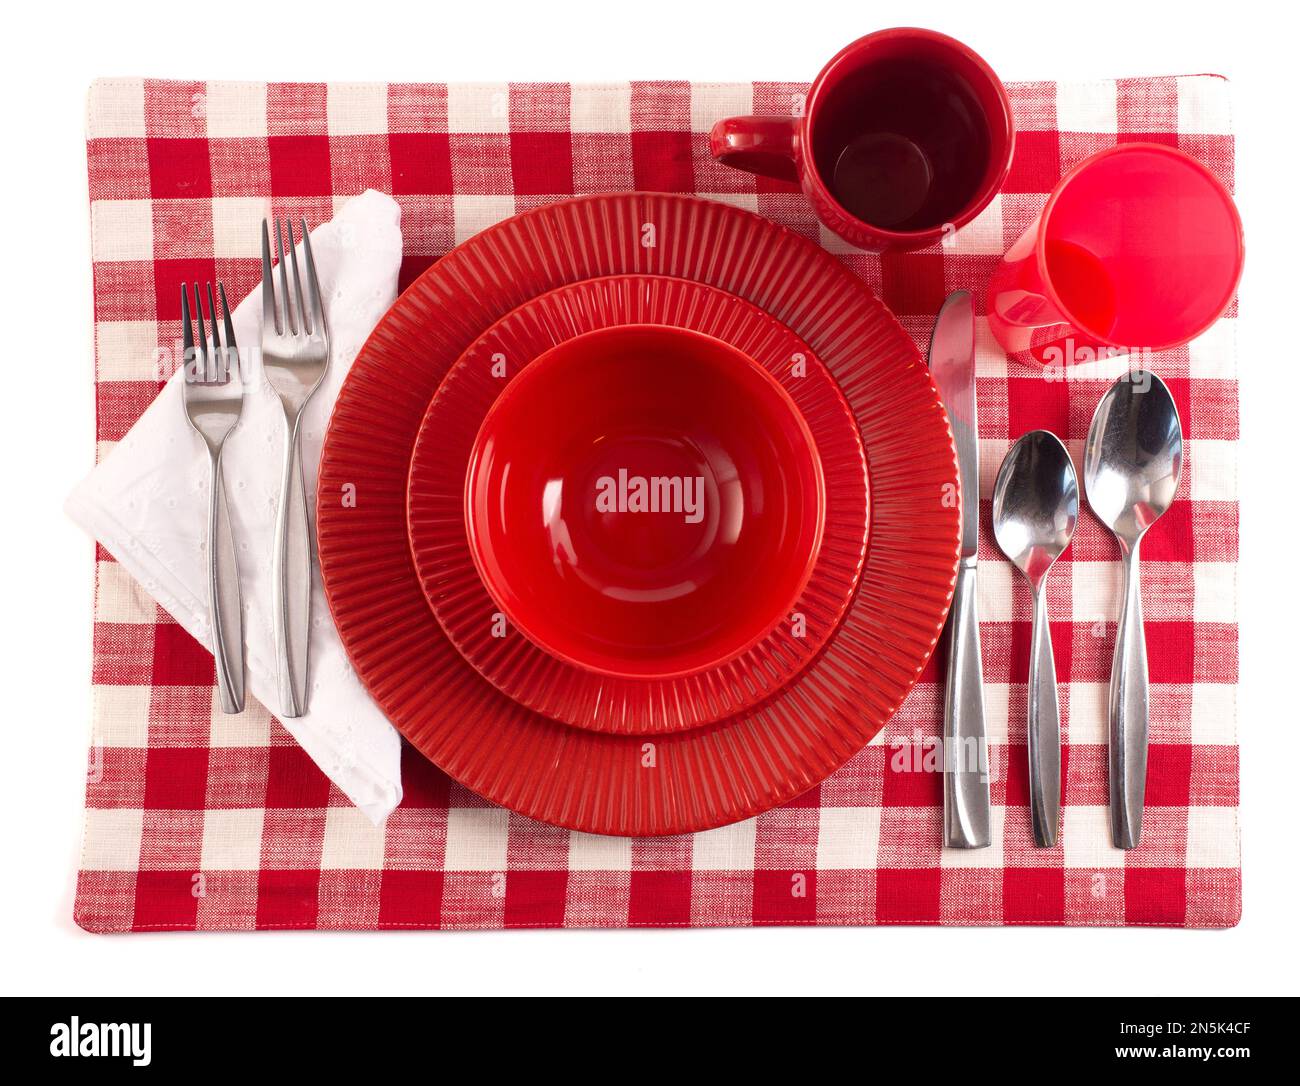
x=292 y=579
x=224 y=601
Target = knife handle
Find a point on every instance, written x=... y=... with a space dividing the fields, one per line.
x=966 y=813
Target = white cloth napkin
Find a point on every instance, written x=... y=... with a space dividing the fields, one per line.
x=146 y=502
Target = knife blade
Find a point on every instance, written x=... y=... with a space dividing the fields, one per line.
x=952 y=365
x=966 y=805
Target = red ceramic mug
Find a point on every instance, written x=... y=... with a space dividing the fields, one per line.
x=1138 y=248
x=905 y=136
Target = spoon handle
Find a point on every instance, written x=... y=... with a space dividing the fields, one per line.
x=966 y=813
x=1044 y=729
x=1128 y=713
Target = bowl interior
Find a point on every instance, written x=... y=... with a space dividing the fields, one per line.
x=644 y=501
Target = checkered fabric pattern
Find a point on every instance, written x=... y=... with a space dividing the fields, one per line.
x=195 y=820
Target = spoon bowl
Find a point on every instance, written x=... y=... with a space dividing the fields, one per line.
x=1035 y=503
x=1134 y=455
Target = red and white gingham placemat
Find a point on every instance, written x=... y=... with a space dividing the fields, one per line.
x=199 y=820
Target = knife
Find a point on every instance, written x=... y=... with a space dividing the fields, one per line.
x=966 y=813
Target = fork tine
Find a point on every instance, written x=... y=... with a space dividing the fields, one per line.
x=232 y=349
x=286 y=300
x=269 y=320
x=187 y=335
x=313 y=284
x=303 y=319
x=201 y=339
x=218 y=354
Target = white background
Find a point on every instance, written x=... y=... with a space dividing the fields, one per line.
x=50 y=54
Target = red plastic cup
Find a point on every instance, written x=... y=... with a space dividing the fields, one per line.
x=906 y=135
x=1138 y=249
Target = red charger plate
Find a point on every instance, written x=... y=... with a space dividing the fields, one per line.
x=535 y=675
x=624 y=784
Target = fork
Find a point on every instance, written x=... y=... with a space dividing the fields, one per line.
x=214 y=398
x=295 y=355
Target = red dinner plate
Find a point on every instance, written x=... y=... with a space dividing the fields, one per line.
x=777 y=636
x=633 y=784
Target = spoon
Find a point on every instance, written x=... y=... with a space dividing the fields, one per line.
x=1035 y=509
x=1131 y=465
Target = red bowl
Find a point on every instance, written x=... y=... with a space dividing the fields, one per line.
x=644 y=501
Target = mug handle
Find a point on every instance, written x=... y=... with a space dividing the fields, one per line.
x=763 y=145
